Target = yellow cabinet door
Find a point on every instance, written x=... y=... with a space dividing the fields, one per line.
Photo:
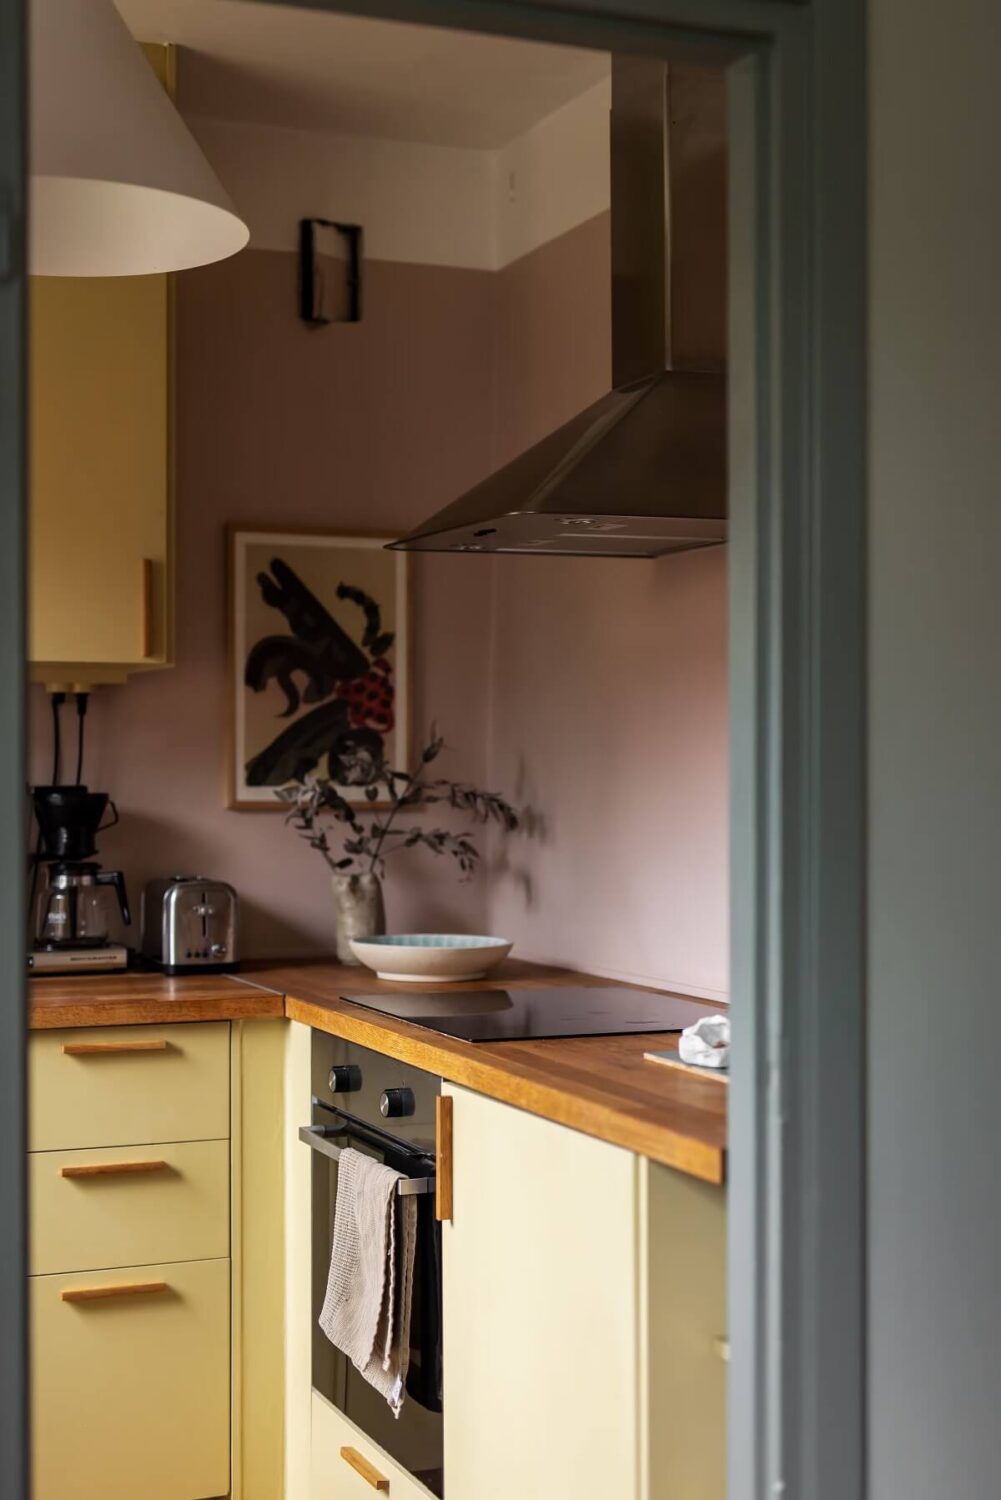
x=128 y=1085
x=683 y=1271
x=541 y=1306
x=128 y=1206
x=130 y=1387
x=99 y=484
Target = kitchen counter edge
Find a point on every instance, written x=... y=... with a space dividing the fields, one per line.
x=601 y=1086
x=138 y=998
x=598 y=1085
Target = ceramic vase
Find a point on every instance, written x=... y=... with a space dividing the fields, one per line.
x=359 y=911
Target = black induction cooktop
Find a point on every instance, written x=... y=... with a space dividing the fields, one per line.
x=519 y=1015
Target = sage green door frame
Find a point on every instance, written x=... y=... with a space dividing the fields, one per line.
x=797 y=563
x=13 y=1259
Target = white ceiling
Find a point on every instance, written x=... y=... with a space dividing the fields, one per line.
x=278 y=65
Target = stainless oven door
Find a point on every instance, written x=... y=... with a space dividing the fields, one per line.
x=414 y=1439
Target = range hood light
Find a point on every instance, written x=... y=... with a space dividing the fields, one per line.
x=591 y=523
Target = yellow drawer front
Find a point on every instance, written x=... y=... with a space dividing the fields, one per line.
x=128 y=1085
x=130 y=1389
x=346 y=1465
x=128 y=1206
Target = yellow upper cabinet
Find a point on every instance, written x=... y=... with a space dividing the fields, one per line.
x=100 y=533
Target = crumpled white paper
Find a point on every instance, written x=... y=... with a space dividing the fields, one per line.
x=706 y=1043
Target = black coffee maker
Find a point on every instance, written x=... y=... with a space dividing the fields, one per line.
x=75 y=901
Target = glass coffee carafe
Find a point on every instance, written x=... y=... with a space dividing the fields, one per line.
x=78 y=905
x=74 y=903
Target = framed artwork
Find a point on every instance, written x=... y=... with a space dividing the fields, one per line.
x=320 y=661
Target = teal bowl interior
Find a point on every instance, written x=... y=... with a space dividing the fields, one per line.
x=432 y=940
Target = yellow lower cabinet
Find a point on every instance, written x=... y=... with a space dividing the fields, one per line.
x=131 y=1383
x=541 y=1306
x=683 y=1257
x=583 y=1292
x=128 y=1205
x=346 y=1465
x=259 y=1335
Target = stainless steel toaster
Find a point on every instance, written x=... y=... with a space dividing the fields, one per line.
x=190 y=924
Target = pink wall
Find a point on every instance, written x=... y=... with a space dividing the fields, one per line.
x=593 y=691
x=367 y=427
x=610 y=717
x=609 y=686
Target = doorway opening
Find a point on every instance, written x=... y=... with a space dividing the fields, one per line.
x=695 y=786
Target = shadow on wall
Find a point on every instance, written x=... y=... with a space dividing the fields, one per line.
x=148 y=848
x=609 y=687
x=426 y=897
x=510 y=859
x=265 y=932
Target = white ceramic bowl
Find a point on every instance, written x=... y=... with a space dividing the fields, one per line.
x=426 y=957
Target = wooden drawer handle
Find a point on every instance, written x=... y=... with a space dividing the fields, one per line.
x=101 y=1293
x=721 y=1346
x=361 y=1466
x=443 y=1166
x=108 y=1049
x=112 y=1168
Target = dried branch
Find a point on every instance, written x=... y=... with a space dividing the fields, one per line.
x=367 y=840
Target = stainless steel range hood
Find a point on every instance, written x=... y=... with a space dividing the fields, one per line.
x=641 y=472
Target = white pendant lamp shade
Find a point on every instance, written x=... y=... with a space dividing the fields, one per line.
x=119 y=186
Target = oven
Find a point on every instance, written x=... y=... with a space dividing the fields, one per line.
x=386 y=1109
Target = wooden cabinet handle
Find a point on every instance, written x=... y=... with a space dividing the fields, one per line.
x=108 y=1049
x=102 y=1293
x=148 y=642
x=361 y=1466
x=112 y=1168
x=443 y=1165
x=721 y=1346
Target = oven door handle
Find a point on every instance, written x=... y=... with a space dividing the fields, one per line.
x=319 y=1138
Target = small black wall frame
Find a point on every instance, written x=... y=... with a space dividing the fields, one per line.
x=311 y=289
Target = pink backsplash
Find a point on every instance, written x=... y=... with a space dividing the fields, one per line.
x=610 y=717
x=593 y=691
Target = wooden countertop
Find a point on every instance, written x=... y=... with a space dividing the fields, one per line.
x=599 y=1085
x=143 y=999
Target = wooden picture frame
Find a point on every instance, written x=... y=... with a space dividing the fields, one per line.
x=320 y=661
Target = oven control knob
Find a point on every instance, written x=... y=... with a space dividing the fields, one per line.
x=395 y=1103
x=345 y=1079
